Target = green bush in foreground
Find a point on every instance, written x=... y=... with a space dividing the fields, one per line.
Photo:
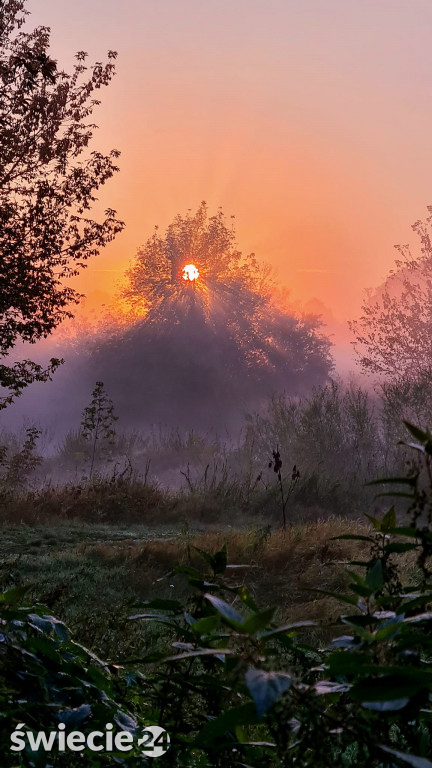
x=235 y=689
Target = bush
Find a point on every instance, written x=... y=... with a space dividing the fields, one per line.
x=47 y=680
x=238 y=689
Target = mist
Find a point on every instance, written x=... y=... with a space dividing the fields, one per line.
x=179 y=368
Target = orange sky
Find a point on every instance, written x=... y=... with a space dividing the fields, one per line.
x=309 y=121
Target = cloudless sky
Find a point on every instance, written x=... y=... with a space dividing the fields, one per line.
x=310 y=120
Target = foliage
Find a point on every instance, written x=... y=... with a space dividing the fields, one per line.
x=223 y=336
x=98 y=421
x=70 y=564
x=48 y=181
x=46 y=679
x=156 y=274
x=406 y=399
x=393 y=336
x=242 y=690
x=17 y=465
x=234 y=686
x=336 y=435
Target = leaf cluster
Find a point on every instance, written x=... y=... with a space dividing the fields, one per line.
x=48 y=184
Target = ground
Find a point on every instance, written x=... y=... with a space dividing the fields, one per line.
x=95 y=576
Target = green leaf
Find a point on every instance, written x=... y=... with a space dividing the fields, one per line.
x=413 y=760
x=74 y=717
x=385 y=706
x=407 y=531
x=266 y=688
x=187 y=570
x=246 y=598
x=44 y=648
x=357 y=579
x=360 y=590
x=387 y=688
x=375 y=522
x=375 y=576
x=225 y=609
x=205 y=625
x=43 y=624
x=14 y=595
x=286 y=628
x=156 y=616
x=61 y=631
x=346 y=664
x=227 y=721
x=389 y=520
x=399 y=547
x=219 y=561
x=415 y=602
x=258 y=621
x=415 y=446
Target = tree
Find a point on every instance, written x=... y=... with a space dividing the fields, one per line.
x=97 y=422
x=48 y=182
x=394 y=333
x=156 y=276
x=233 y=291
x=198 y=354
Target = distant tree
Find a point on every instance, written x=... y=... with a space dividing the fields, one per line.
x=48 y=182
x=156 y=275
x=97 y=424
x=393 y=337
x=233 y=291
x=18 y=462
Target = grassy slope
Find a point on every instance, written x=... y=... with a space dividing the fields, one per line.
x=95 y=576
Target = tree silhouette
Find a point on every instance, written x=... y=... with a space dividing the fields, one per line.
x=202 y=353
x=47 y=188
x=97 y=422
x=233 y=292
x=225 y=274
x=393 y=337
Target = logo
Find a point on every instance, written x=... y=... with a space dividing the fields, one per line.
x=153 y=742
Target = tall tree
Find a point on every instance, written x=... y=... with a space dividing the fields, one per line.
x=204 y=350
x=232 y=290
x=225 y=274
x=48 y=183
x=393 y=337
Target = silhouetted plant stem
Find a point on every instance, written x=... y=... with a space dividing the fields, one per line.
x=276 y=463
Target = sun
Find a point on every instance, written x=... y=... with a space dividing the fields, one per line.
x=190 y=273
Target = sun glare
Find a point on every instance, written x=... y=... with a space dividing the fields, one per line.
x=190 y=273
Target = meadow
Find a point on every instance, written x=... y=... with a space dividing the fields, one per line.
x=93 y=576
x=268 y=608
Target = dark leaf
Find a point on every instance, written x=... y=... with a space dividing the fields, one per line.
x=266 y=688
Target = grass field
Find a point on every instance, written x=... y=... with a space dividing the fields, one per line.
x=95 y=576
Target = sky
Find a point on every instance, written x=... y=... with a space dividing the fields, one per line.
x=309 y=120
